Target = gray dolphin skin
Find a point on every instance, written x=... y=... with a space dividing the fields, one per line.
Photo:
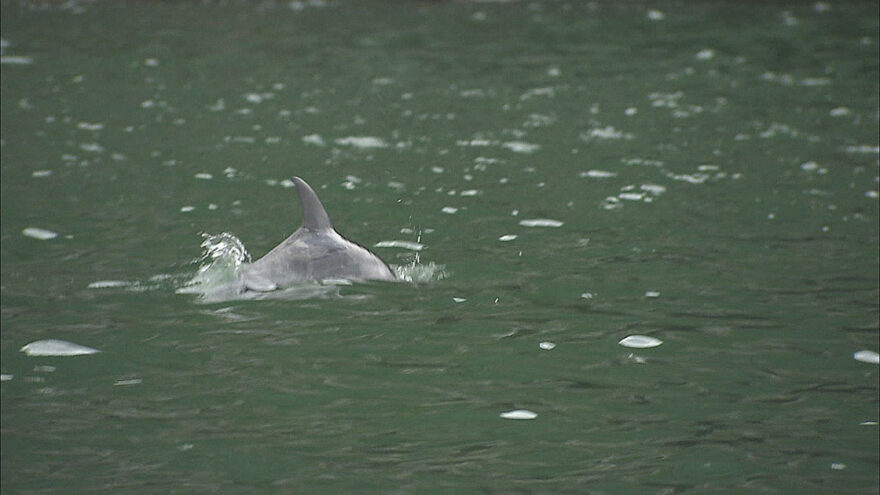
x=314 y=252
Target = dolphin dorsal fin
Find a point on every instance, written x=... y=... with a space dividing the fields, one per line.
x=314 y=215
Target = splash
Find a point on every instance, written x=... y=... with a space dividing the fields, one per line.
x=413 y=270
x=420 y=273
x=219 y=265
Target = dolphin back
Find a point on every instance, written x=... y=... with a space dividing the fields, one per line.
x=314 y=252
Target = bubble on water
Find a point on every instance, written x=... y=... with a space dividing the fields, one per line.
x=38 y=233
x=204 y=176
x=866 y=356
x=631 y=196
x=412 y=246
x=540 y=222
x=607 y=132
x=656 y=15
x=547 y=91
x=597 y=174
x=547 y=346
x=865 y=148
x=654 y=189
x=519 y=414
x=187 y=209
x=635 y=359
x=521 y=147
x=15 y=60
x=640 y=341
x=362 y=142
x=53 y=347
x=705 y=54
x=86 y=126
x=108 y=284
x=124 y=383
x=507 y=237
x=449 y=210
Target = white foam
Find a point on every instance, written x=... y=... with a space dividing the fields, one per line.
x=507 y=237
x=547 y=346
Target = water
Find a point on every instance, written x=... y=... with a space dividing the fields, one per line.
x=574 y=174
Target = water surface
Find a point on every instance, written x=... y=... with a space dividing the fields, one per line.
x=575 y=173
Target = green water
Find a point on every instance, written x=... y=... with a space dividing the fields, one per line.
x=714 y=168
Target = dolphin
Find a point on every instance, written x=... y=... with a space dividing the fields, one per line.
x=314 y=252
